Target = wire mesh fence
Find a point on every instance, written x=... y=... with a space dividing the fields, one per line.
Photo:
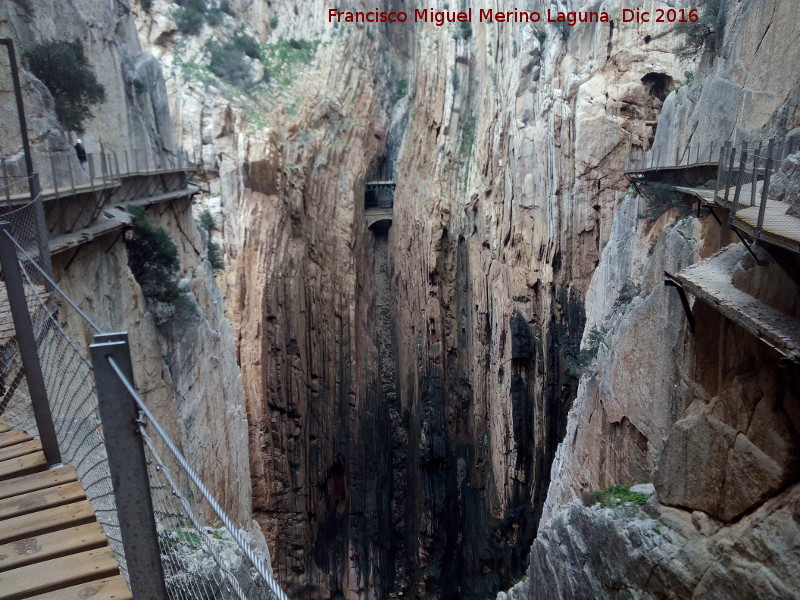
x=203 y=554
x=744 y=180
x=67 y=374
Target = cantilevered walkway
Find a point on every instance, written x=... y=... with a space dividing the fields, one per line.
x=741 y=199
x=84 y=203
x=379 y=204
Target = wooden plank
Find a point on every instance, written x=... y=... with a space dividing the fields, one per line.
x=37 y=481
x=66 y=493
x=23 y=465
x=21 y=449
x=3 y=429
x=51 y=545
x=44 y=521
x=9 y=438
x=57 y=573
x=112 y=588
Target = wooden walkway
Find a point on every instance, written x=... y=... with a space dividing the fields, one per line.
x=711 y=280
x=51 y=545
x=778 y=228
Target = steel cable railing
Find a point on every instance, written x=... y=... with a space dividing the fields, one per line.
x=238 y=536
x=200 y=561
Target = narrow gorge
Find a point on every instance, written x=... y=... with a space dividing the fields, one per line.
x=458 y=286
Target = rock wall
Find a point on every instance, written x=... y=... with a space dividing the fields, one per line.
x=187 y=371
x=497 y=139
x=710 y=416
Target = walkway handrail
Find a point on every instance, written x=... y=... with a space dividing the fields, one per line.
x=693 y=154
x=83 y=400
x=234 y=531
x=64 y=174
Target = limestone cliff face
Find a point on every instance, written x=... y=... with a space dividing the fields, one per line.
x=710 y=417
x=421 y=473
x=188 y=371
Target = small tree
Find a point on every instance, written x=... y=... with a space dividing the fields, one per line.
x=697 y=34
x=153 y=259
x=63 y=68
x=190 y=16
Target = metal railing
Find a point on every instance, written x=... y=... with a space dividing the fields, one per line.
x=743 y=185
x=169 y=535
x=62 y=174
x=694 y=154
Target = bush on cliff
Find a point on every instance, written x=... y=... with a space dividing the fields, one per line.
x=64 y=69
x=228 y=63
x=153 y=260
x=214 y=250
x=696 y=35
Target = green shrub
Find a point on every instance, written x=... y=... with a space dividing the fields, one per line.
x=247 y=44
x=215 y=255
x=467 y=139
x=697 y=35
x=463 y=31
x=628 y=292
x=153 y=259
x=541 y=35
x=616 y=496
x=228 y=63
x=279 y=59
x=225 y=7
x=214 y=250
x=63 y=68
x=190 y=16
x=400 y=93
x=576 y=365
x=206 y=220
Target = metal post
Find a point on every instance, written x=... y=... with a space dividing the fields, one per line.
x=71 y=175
x=136 y=161
x=127 y=465
x=27 y=346
x=731 y=159
x=765 y=190
x=53 y=175
x=5 y=181
x=42 y=233
x=740 y=176
x=711 y=151
x=756 y=156
x=91 y=171
x=103 y=166
x=127 y=163
x=23 y=127
x=116 y=165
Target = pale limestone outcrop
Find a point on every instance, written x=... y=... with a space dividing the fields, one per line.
x=722 y=419
x=665 y=553
x=187 y=372
x=134 y=115
x=786 y=185
x=494 y=222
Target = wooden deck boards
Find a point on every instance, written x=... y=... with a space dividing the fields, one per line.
x=51 y=546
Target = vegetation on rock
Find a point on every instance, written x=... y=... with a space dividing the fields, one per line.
x=616 y=495
x=64 y=69
x=703 y=31
x=153 y=260
x=214 y=249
